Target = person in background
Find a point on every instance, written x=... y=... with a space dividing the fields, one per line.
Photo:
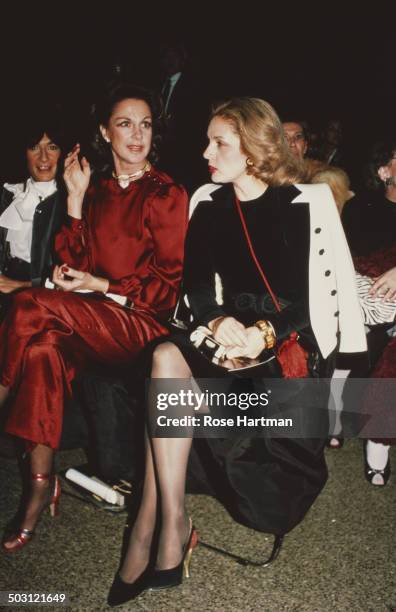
x=370 y=226
x=185 y=110
x=32 y=211
x=296 y=136
x=335 y=178
x=369 y=219
x=331 y=148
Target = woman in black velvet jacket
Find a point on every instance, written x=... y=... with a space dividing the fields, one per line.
x=31 y=212
x=370 y=226
x=267 y=483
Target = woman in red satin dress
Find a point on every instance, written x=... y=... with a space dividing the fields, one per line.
x=124 y=235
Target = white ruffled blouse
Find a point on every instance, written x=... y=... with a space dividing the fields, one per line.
x=18 y=216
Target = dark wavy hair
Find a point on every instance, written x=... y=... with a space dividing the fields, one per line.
x=46 y=121
x=103 y=109
x=301 y=122
x=381 y=155
x=50 y=124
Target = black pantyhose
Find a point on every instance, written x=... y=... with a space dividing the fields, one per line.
x=165 y=476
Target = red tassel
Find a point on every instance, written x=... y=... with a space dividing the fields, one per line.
x=292 y=358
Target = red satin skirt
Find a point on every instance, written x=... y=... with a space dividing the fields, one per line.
x=47 y=337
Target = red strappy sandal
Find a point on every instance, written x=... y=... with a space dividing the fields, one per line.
x=23 y=536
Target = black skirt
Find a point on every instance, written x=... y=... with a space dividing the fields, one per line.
x=266 y=483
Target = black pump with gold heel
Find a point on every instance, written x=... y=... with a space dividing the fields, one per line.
x=167 y=578
x=121 y=592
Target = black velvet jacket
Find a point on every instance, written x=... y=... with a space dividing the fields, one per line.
x=369 y=223
x=279 y=232
x=47 y=220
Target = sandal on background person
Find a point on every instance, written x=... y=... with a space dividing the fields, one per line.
x=377 y=468
x=335 y=442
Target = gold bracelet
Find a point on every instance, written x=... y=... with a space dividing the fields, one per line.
x=268 y=332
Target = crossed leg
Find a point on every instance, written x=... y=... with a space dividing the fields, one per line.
x=165 y=477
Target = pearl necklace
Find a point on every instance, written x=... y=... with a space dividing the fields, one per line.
x=124 y=179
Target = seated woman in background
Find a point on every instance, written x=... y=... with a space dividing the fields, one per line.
x=291 y=229
x=369 y=220
x=370 y=227
x=124 y=234
x=31 y=212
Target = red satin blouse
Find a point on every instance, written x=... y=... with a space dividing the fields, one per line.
x=133 y=237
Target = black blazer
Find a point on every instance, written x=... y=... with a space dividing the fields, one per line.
x=47 y=220
x=369 y=222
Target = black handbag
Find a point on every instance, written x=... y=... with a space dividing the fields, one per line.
x=265 y=364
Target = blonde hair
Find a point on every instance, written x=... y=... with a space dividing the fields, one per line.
x=336 y=178
x=262 y=140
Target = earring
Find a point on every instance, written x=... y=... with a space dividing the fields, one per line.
x=389 y=181
x=249 y=162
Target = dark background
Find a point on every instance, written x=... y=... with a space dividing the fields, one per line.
x=314 y=61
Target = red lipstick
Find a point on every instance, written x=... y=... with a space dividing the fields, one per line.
x=212 y=169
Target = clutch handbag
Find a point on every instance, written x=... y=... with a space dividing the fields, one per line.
x=215 y=352
x=375 y=311
x=203 y=340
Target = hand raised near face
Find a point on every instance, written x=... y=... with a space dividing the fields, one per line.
x=76 y=174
